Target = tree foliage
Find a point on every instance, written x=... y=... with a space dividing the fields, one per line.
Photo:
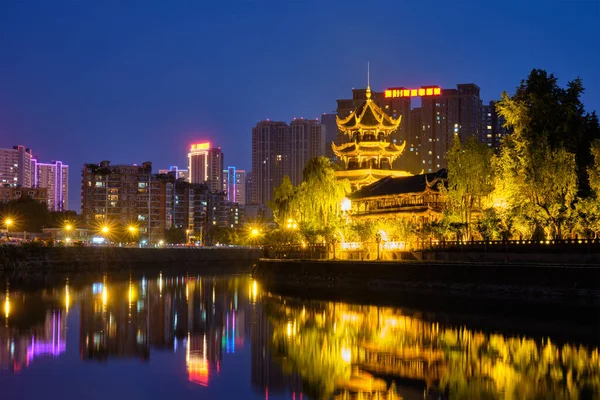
x=314 y=205
x=470 y=178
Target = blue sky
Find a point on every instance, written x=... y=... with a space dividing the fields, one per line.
x=132 y=81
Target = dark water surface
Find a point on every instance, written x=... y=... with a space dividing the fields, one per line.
x=203 y=337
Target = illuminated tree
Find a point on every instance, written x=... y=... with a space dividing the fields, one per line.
x=315 y=203
x=470 y=179
x=283 y=199
x=536 y=174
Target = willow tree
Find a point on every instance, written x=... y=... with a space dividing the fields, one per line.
x=282 y=204
x=470 y=179
x=320 y=195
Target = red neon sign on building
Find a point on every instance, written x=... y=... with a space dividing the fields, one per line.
x=402 y=92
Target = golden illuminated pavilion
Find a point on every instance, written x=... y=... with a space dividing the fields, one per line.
x=368 y=156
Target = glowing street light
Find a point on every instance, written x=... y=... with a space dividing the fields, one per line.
x=8 y=222
x=254 y=232
x=105 y=229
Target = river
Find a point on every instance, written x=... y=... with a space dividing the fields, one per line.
x=222 y=337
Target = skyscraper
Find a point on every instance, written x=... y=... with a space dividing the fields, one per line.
x=306 y=140
x=54 y=177
x=454 y=112
x=205 y=164
x=15 y=166
x=331 y=133
x=270 y=140
x=492 y=126
x=234 y=184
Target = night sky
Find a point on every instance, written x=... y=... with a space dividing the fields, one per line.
x=134 y=81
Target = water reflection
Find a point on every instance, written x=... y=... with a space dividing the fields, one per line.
x=210 y=331
x=341 y=348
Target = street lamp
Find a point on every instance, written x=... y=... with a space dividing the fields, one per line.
x=187 y=236
x=8 y=222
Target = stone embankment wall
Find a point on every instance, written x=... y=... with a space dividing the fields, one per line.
x=555 y=258
x=62 y=259
x=385 y=281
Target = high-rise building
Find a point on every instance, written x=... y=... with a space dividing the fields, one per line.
x=328 y=121
x=279 y=150
x=306 y=140
x=15 y=166
x=55 y=178
x=454 y=112
x=249 y=187
x=126 y=194
x=205 y=164
x=234 y=185
x=492 y=126
x=270 y=141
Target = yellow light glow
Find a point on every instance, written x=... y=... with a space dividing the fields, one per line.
x=6 y=306
x=105 y=229
x=289 y=329
x=406 y=93
x=413 y=92
x=68 y=227
x=254 y=232
x=67 y=298
x=346 y=355
x=388 y=93
x=421 y=92
x=8 y=222
x=132 y=293
x=200 y=146
x=131 y=228
x=429 y=91
x=254 y=290
x=437 y=91
x=160 y=283
x=346 y=204
x=104 y=295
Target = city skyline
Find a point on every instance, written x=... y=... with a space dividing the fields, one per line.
x=88 y=103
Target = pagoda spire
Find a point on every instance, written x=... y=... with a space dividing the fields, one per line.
x=368 y=80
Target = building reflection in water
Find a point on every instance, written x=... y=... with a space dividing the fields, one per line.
x=23 y=340
x=297 y=349
x=343 y=350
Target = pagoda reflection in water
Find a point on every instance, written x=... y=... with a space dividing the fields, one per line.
x=340 y=350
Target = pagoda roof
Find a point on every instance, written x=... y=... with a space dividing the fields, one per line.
x=367 y=117
x=368 y=176
x=390 y=186
x=353 y=149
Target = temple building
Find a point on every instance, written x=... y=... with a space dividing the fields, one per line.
x=417 y=197
x=368 y=156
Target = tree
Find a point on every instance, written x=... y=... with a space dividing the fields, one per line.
x=470 y=178
x=283 y=199
x=544 y=114
x=27 y=214
x=315 y=203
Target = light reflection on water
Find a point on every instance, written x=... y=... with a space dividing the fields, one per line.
x=220 y=337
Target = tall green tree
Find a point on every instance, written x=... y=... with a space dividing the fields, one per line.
x=283 y=201
x=540 y=162
x=544 y=114
x=470 y=178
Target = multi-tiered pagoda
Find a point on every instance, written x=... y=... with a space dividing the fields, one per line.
x=368 y=156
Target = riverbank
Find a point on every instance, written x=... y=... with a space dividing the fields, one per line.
x=24 y=260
